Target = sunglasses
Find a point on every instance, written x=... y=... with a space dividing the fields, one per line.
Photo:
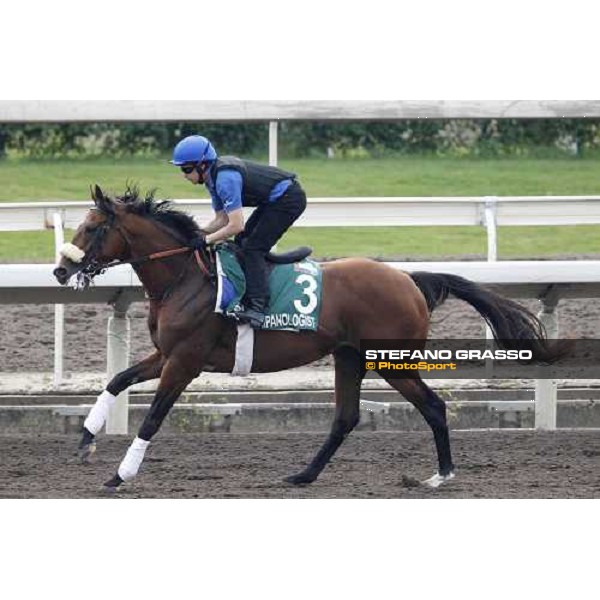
x=187 y=169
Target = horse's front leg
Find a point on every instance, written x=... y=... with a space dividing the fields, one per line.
x=149 y=368
x=175 y=377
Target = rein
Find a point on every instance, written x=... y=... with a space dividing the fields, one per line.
x=167 y=254
x=157 y=256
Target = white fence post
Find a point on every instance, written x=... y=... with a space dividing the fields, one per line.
x=59 y=309
x=273 y=126
x=491 y=204
x=545 y=389
x=273 y=143
x=117 y=359
x=492 y=255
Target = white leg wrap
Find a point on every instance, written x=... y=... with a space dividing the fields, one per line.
x=133 y=459
x=99 y=413
x=437 y=480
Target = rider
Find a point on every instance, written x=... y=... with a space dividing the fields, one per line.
x=233 y=183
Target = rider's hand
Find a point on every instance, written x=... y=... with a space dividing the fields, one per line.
x=199 y=243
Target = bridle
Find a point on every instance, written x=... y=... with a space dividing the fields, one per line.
x=93 y=267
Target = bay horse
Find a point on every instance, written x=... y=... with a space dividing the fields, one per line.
x=358 y=297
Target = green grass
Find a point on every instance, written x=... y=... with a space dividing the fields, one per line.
x=71 y=180
x=380 y=242
x=405 y=176
x=27 y=246
x=439 y=242
x=22 y=180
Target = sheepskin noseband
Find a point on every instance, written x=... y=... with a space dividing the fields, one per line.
x=72 y=252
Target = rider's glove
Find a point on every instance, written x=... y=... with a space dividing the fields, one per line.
x=199 y=243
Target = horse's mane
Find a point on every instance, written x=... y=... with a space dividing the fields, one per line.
x=162 y=211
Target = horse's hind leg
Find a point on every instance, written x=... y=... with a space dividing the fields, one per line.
x=349 y=374
x=149 y=368
x=433 y=409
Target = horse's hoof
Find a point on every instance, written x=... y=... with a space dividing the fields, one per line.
x=85 y=452
x=300 y=479
x=437 y=480
x=113 y=484
x=410 y=482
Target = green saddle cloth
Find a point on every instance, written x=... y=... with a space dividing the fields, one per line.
x=295 y=301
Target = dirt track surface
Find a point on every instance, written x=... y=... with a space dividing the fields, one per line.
x=502 y=464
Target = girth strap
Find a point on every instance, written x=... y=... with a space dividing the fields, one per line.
x=201 y=264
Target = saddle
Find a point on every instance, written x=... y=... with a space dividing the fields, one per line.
x=294 y=284
x=273 y=258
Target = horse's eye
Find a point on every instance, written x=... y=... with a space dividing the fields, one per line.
x=90 y=228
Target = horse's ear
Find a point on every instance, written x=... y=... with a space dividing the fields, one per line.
x=101 y=201
x=97 y=193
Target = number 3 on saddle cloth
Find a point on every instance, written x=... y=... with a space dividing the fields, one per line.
x=295 y=291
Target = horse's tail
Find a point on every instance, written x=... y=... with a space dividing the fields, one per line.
x=513 y=326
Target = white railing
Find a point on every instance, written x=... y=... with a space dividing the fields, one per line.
x=490 y=211
x=53 y=111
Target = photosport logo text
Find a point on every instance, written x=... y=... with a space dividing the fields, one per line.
x=477 y=359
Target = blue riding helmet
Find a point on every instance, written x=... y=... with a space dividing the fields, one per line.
x=193 y=149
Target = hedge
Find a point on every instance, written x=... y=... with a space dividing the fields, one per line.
x=464 y=137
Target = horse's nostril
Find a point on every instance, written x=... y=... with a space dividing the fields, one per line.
x=61 y=274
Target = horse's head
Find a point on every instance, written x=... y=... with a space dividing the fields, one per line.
x=97 y=242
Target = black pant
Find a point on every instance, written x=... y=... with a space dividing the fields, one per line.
x=265 y=226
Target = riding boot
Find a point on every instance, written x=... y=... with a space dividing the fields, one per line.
x=257 y=289
x=254 y=312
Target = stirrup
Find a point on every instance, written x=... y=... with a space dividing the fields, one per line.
x=253 y=317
